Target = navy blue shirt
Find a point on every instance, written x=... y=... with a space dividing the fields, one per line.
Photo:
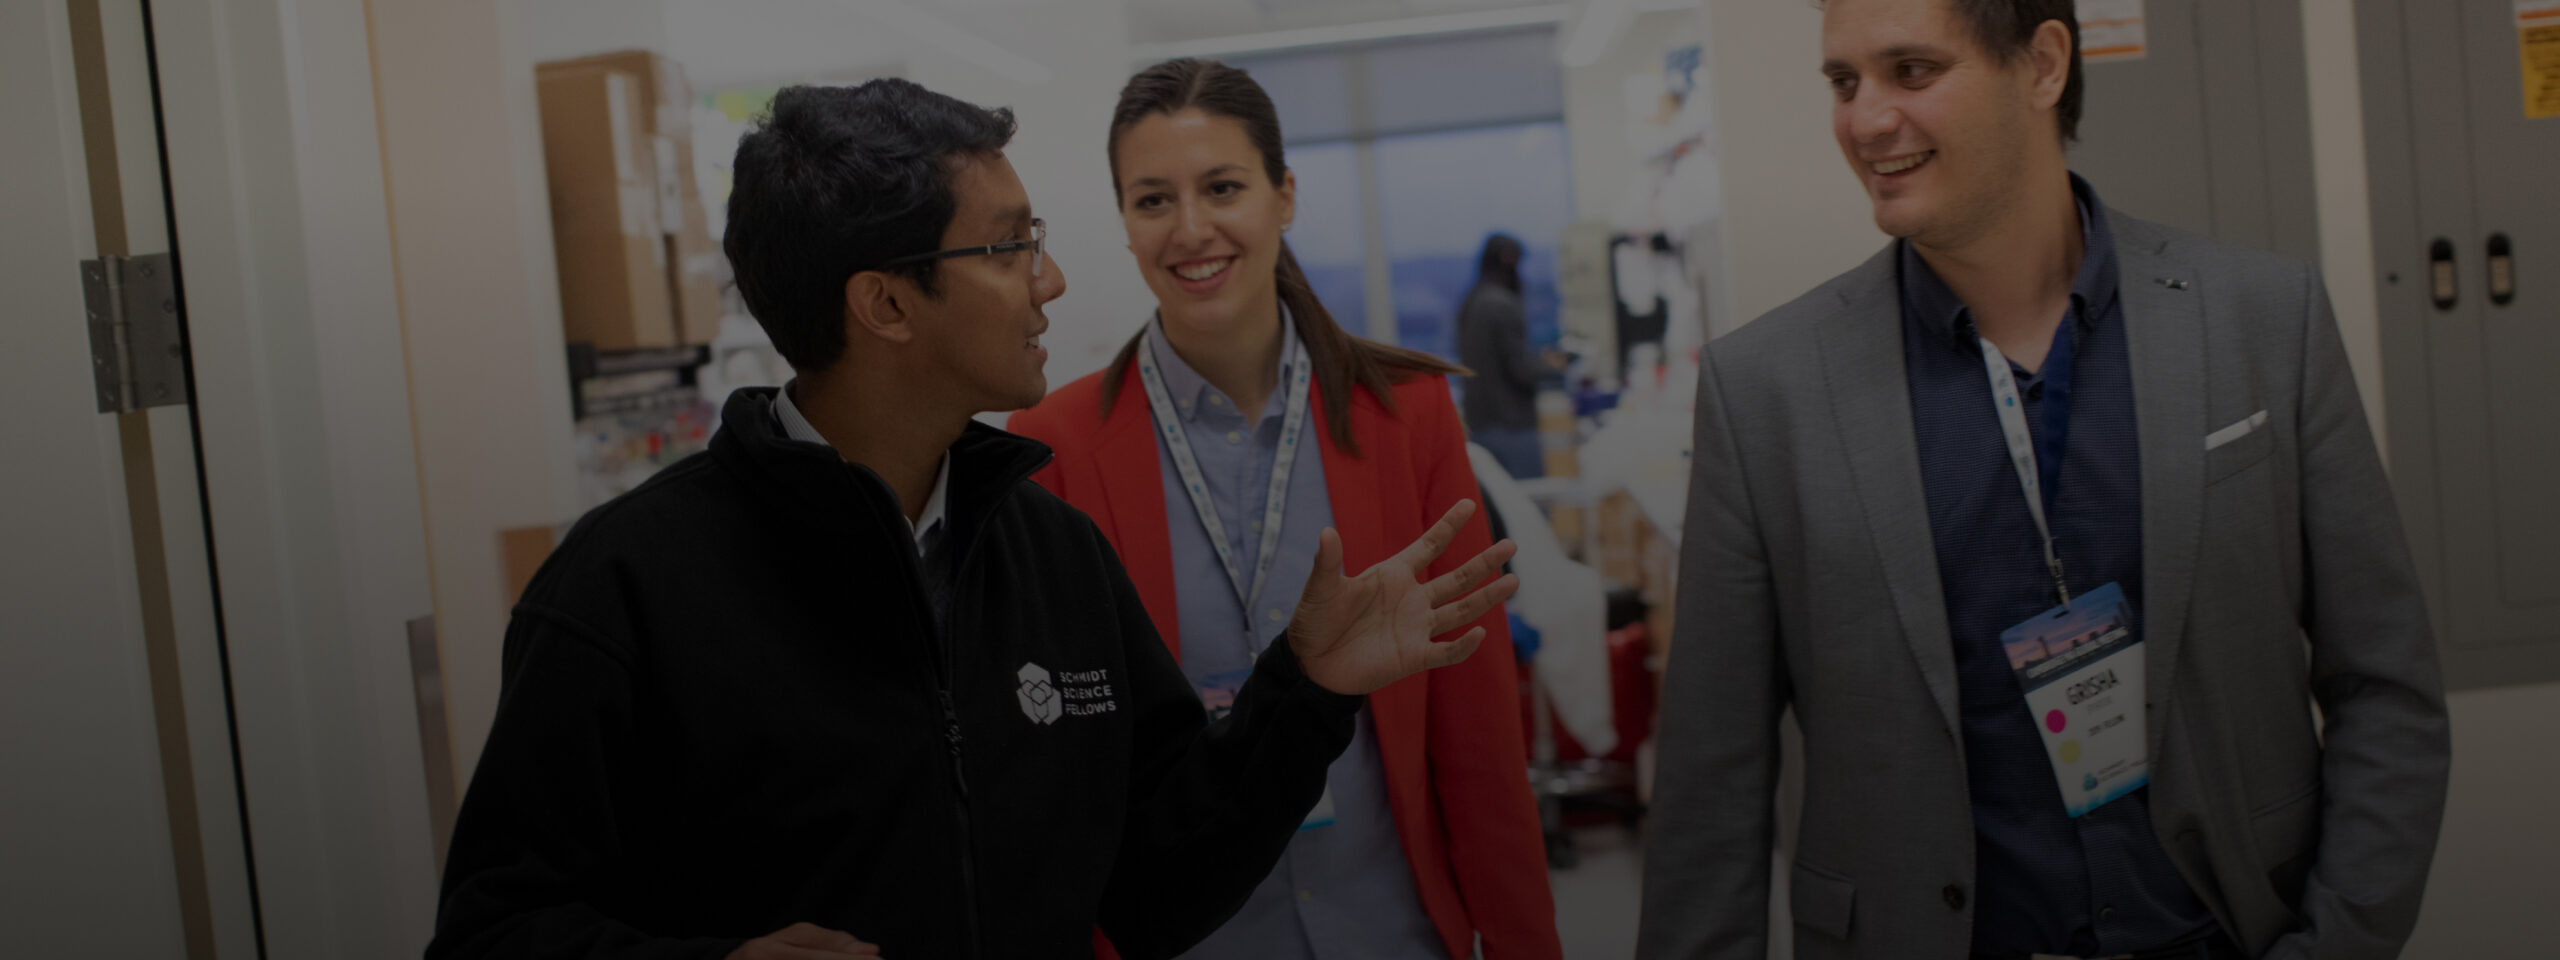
x=2044 y=882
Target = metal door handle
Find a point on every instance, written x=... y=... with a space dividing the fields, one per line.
x=2444 y=283
x=2502 y=270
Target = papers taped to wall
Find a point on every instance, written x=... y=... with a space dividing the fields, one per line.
x=2112 y=30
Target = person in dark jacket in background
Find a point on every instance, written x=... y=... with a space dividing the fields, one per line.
x=849 y=684
x=1501 y=402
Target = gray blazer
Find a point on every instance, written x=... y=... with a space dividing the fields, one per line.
x=2277 y=576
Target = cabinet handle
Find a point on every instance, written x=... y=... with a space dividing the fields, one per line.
x=2444 y=283
x=2502 y=270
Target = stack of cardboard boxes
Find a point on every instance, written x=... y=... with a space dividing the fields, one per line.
x=1558 y=437
x=638 y=269
x=1635 y=552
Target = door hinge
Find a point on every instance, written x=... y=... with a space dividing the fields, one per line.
x=137 y=348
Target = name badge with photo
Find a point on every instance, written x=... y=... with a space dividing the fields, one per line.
x=2081 y=667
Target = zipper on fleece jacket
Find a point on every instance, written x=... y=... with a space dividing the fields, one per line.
x=945 y=672
x=948 y=675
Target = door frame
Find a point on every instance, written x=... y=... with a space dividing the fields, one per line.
x=310 y=480
x=116 y=813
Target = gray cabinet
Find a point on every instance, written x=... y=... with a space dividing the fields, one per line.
x=2471 y=374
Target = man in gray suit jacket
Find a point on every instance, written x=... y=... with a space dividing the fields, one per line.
x=2052 y=527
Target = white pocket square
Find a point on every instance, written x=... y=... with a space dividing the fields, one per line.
x=2235 y=431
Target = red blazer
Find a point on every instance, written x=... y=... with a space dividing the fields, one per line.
x=1450 y=739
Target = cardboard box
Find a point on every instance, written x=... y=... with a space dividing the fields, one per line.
x=1661 y=564
x=1620 y=543
x=1562 y=461
x=524 y=550
x=695 y=267
x=663 y=87
x=693 y=263
x=605 y=223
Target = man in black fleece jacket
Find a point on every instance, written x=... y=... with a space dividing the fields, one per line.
x=849 y=681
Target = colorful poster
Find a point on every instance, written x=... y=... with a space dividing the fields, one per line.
x=2112 y=30
x=2538 y=40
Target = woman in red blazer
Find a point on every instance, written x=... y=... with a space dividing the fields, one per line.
x=1427 y=843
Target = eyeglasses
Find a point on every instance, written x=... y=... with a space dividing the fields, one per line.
x=1039 y=238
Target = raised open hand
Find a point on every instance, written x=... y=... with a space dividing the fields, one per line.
x=1353 y=635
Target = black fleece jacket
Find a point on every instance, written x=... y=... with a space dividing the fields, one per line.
x=727 y=708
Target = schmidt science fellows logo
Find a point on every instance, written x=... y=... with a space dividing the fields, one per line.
x=1040 y=701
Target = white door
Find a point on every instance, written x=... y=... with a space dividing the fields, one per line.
x=120 y=827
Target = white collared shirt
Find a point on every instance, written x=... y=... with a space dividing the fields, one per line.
x=797 y=428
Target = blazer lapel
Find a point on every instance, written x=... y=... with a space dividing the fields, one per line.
x=1355 y=487
x=1352 y=483
x=1133 y=484
x=1871 y=402
x=2164 y=329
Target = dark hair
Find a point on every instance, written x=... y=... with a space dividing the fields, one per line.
x=834 y=180
x=1499 y=264
x=1342 y=361
x=2007 y=28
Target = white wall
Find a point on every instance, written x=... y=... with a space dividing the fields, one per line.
x=1606 y=167
x=480 y=314
x=562 y=29
x=1060 y=153
x=1595 y=106
x=732 y=43
x=1794 y=214
x=2338 y=174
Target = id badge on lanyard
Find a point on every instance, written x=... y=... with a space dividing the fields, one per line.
x=2079 y=663
x=1218 y=692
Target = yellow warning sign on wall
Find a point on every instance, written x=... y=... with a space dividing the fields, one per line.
x=2538 y=36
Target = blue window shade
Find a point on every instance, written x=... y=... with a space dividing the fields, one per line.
x=1328 y=235
x=1413 y=86
x=1468 y=139
x=1442 y=193
x=1469 y=81
x=1311 y=91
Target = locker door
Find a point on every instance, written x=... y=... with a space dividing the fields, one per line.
x=2456 y=164
x=2500 y=447
x=2235 y=165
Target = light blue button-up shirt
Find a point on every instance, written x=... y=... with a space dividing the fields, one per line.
x=1341 y=891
